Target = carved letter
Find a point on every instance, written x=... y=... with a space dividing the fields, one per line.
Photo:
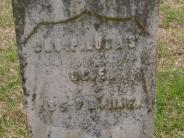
x=57 y=45
x=48 y=46
x=38 y=48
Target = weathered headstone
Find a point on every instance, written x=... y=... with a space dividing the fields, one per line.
x=88 y=66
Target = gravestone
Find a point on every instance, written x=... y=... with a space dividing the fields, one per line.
x=88 y=66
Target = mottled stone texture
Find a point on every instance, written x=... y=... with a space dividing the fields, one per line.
x=88 y=66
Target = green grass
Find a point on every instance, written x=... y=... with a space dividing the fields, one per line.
x=12 y=116
x=170 y=104
x=6 y=19
x=162 y=50
x=169 y=118
x=172 y=14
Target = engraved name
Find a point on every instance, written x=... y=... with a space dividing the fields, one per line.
x=93 y=43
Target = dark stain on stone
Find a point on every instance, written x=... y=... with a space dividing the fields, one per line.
x=30 y=131
x=99 y=99
x=149 y=110
x=98 y=134
x=67 y=4
x=23 y=64
x=95 y=5
x=26 y=92
x=25 y=102
x=64 y=107
x=49 y=134
x=91 y=110
x=79 y=105
x=33 y=97
x=19 y=7
x=97 y=26
x=144 y=80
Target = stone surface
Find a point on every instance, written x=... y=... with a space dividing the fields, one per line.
x=88 y=66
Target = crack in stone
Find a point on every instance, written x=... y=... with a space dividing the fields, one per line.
x=89 y=13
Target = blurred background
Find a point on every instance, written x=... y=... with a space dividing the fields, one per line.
x=169 y=118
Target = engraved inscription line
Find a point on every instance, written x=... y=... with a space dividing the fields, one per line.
x=89 y=13
x=113 y=105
